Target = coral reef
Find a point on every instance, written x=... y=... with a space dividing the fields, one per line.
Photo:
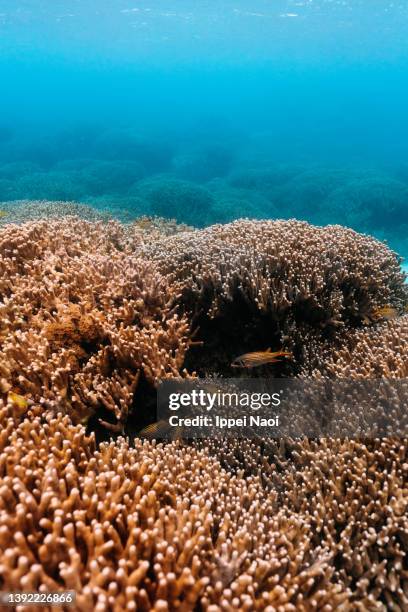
x=234 y=203
x=53 y=185
x=115 y=144
x=92 y=314
x=150 y=527
x=82 y=316
x=263 y=179
x=168 y=197
x=305 y=195
x=374 y=352
x=124 y=208
x=102 y=177
x=203 y=164
x=253 y=284
x=20 y=211
x=371 y=202
x=204 y=183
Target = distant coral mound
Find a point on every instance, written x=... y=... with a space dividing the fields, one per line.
x=374 y=202
x=169 y=197
x=203 y=164
x=101 y=177
x=20 y=211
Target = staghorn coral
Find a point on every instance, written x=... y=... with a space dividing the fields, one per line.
x=151 y=527
x=356 y=492
x=282 y=261
x=373 y=352
x=352 y=494
x=222 y=525
x=253 y=284
x=81 y=316
x=356 y=496
x=20 y=211
x=353 y=497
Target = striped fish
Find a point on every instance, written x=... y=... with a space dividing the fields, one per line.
x=259 y=358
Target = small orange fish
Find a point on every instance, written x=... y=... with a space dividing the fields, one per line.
x=384 y=313
x=259 y=358
x=161 y=430
x=19 y=400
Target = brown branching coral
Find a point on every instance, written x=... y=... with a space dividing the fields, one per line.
x=151 y=527
x=373 y=352
x=356 y=492
x=82 y=316
x=277 y=282
x=331 y=271
x=21 y=211
x=355 y=495
x=352 y=494
x=89 y=313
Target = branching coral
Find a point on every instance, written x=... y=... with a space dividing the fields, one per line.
x=356 y=497
x=277 y=281
x=20 y=211
x=153 y=527
x=373 y=352
x=82 y=316
x=90 y=310
x=280 y=264
x=352 y=494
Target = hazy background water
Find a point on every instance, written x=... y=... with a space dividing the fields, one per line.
x=211 y=110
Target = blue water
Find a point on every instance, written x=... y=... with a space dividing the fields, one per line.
x=208 y=111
